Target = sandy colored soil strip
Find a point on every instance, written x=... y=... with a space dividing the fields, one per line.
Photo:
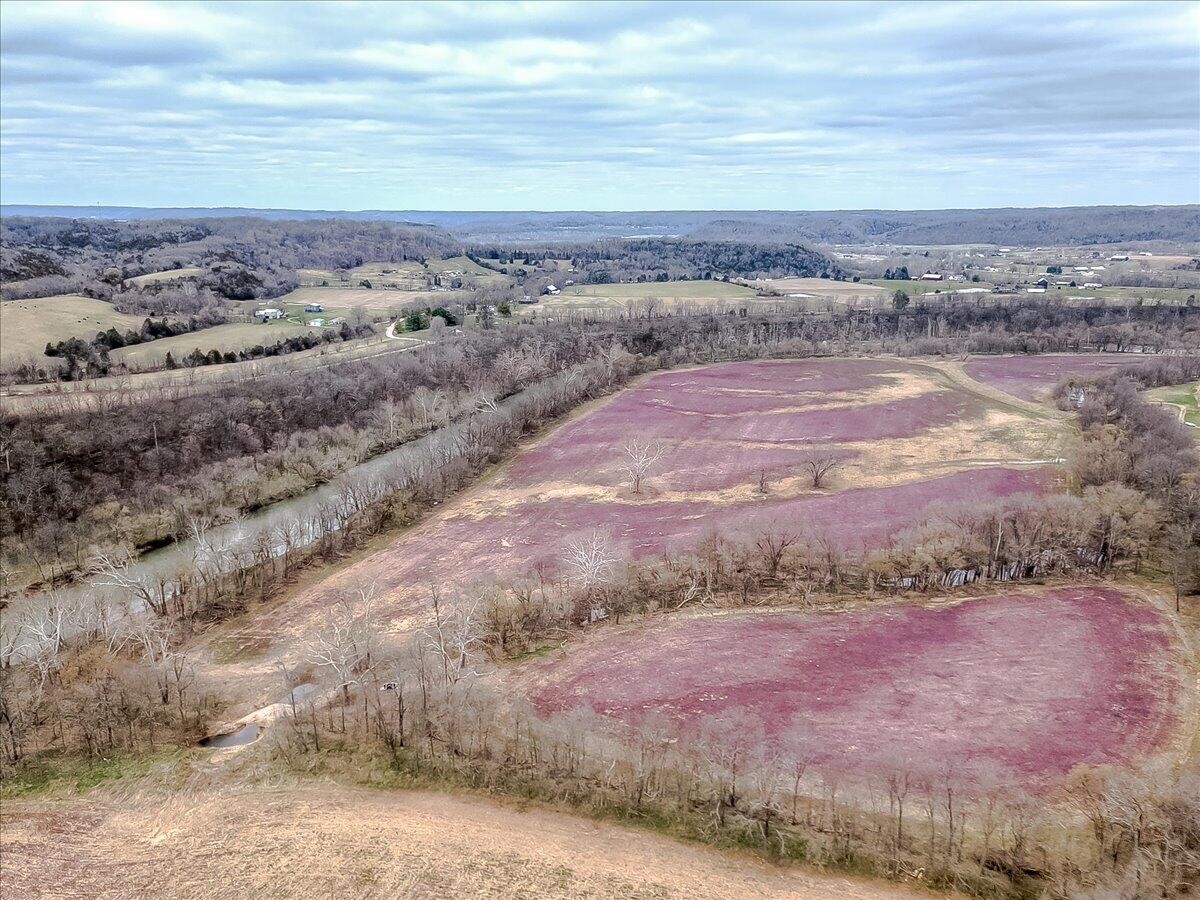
x=326 y=841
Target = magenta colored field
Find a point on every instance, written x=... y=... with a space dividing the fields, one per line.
x=1033 y=377
x=725 y=425
x=1023 y=685
x=720 y=427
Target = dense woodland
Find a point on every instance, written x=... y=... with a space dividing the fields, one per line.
x=1010 y=227
x=242 y=258
x=666 y=259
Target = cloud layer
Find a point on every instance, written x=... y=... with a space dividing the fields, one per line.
x=600 y=106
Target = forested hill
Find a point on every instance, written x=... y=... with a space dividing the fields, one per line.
x=1018 y=227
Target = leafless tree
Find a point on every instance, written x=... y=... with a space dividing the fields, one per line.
x=590 y=560
x=639 y=457
x=345 y=642
x=454 y=635
x=110 y=570
x=820 y=466
x=772 y=544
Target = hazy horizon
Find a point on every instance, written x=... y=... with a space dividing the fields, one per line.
x=626 y=107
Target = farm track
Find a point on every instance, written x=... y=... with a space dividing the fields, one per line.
x=957 y=375
x=333 y=841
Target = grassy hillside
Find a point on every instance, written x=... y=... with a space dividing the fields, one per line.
x=26 y=326
x=225 y=338
x=168 y=275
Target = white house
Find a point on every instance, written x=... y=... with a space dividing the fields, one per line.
x=932 y=276
x=551 y=289
x=1120 y=257
x=265 y=314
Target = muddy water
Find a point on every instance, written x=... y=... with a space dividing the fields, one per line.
x=244 y=735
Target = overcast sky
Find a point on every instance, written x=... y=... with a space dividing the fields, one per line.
x=600 y=106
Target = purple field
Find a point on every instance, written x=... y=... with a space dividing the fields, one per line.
x=758 y=419
x=1033 y=377
x=1023 y=685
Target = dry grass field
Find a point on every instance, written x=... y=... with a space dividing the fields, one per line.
x=226 y=338
x=168 y=275
x=26 y=326
x=406 y=276
x=639 y=295
x=821 y=289
x=463 y=264
x=333 y=841
x=354 y=298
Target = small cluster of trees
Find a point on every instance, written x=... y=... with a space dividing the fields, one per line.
x=417 y=319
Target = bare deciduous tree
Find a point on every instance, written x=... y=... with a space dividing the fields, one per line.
x=638 y=458
x=820 y=466
x=590 y=560
x=345 y=641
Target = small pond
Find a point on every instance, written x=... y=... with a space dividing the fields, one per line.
x=244 y=735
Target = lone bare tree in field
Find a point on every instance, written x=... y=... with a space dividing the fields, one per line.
x=638 y=459
x=590 y=560
x=820 y=466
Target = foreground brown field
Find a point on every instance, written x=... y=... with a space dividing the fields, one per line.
x=333 y=841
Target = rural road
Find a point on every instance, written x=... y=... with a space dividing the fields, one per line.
x=327 y=840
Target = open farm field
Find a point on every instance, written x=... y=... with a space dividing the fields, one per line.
x=353 y=298
x=1175 y=296
x=463 y=264
x=75 y=395
x=1033 y=377
x=1017 y=686
x=1183 y=397
x=906 y=436
x=168 y=275
x=26 y=326
x=327 y=841
x=664 y=293
x=819 y=288
x=226 y=338
x=406 y=276
x=916 y=288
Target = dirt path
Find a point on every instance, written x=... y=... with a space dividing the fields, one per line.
x=330 y=841
x=957 y=375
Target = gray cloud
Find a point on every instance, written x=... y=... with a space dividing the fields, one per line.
x=600 y=105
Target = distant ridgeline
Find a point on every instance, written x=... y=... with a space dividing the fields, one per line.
x=1019 y=227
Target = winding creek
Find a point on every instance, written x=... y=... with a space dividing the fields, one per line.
x=297 y=517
